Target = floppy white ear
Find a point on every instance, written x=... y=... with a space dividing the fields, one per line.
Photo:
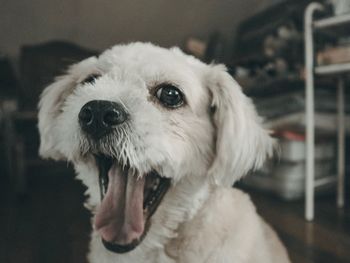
x=241 y=142
x=49 y=107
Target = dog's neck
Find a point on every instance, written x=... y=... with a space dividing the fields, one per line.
x=197 y=195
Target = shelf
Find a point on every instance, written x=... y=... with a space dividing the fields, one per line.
x=338 y=26
x=332 y=21
x=271 y=86
x=333 y=69
x=325 y=181
x=325 y=123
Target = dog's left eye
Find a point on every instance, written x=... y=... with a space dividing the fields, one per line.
x=170 y=96
x=90 y=79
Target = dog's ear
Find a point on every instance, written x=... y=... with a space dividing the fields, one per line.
x=242 y=143
x=49 y=108
x=51 y=102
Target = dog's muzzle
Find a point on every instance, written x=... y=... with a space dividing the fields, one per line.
x=98 y=117
x=129 y=198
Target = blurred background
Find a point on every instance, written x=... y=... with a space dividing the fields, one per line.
x=262 y=42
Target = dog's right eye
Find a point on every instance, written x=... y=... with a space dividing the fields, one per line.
x=170 y=96
x=90 y=79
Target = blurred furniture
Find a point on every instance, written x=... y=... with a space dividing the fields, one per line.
x=268 y=62
x=39 y=65
x=334 y=26
x=8 y=104
x=8 y=80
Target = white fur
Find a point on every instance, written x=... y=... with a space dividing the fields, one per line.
x=203 y=146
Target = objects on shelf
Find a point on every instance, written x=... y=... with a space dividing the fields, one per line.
x=285 y=174
x=269 y=65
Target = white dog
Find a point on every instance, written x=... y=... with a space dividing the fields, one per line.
x=159 y=137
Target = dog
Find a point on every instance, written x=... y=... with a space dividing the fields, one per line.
x=159 y=137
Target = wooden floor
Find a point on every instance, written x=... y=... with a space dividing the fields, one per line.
x=325 y=240
x=50 y=225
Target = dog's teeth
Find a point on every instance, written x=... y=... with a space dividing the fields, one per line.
x=154 y=187
x=155 y=184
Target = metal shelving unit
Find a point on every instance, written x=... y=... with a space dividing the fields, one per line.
x=332 y=69
x=331 y=21
x=338 y=70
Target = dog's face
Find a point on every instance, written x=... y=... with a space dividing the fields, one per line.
x=140 y=121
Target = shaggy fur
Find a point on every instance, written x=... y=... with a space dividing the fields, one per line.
x=204 y=146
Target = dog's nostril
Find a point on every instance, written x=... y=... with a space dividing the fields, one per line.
x=85 y=115
x=114 y=117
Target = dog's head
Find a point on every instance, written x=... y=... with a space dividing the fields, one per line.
x=140 y=120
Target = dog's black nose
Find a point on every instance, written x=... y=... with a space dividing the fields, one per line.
x=98 y=117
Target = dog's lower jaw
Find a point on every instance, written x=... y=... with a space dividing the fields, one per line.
x=139 y=254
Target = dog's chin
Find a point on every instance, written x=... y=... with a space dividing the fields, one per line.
x=128 y=201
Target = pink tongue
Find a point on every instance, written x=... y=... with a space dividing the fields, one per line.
x=120 y=215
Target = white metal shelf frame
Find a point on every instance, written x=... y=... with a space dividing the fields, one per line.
x=310 y=71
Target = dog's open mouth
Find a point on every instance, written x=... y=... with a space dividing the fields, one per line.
x=128 y=202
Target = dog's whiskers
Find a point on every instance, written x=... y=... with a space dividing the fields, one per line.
x=117 y=145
